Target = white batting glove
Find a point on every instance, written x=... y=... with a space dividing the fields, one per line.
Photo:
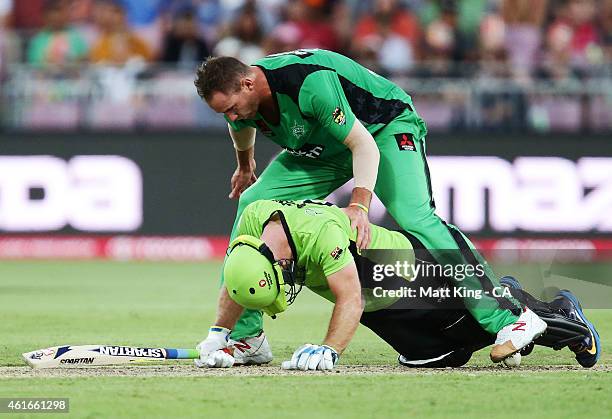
x=220 y=359
x=217 y=339
x=312 y=357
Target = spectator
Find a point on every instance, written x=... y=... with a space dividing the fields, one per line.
x=311 y=18
x=606 y=25
x=390 y=36
x=182 y=44
x=389 y=17
x=501 y=109
x=9 y=42
x=441 y=54
x=578 y=20
x=117 y=44
x=28 y=14
x=467 y=16
x=493 y=58
x=556 y=63
x=244 y=40
x=57 y=44
x=145 y=18
x=81 y=12
x=524 y=19
x=210 y=14
x=6 y=9
x=284 y=37
x=268 y=11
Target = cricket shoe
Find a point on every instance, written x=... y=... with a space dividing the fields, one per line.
x=511 y=282
x=587 y=350
x=252 y=350
x=516 y=336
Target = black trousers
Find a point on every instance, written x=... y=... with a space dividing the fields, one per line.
x=438 y=337
x=430 y=338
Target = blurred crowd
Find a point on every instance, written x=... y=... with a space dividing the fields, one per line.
x=480 y=64
x=520 y=39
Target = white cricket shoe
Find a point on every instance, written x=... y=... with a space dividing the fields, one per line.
x=516 y=336
x=251 y=351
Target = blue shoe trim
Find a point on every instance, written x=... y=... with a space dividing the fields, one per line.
x=574 y=300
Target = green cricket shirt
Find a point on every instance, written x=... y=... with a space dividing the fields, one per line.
x=319 y=95
x=319 y=234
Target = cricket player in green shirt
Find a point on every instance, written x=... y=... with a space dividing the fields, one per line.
x=337 y=120
x=283 y=245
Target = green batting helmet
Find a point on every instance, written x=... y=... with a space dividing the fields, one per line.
x=253 y=278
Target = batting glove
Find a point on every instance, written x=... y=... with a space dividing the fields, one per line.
x=217 y=339
x=220 y=359
x=312 y=357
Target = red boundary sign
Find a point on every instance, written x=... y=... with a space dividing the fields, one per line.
x=205 y=248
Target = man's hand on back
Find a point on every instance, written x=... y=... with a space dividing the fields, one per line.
x=359 y=220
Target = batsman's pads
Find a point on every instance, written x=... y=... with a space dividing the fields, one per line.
x=561 y=331
x=312 y=357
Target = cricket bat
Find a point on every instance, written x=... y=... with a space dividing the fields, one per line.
x=93 y=355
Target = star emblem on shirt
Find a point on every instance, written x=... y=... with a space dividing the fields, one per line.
x=298 y=130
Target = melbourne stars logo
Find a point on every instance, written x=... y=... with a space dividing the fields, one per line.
x=298 y=130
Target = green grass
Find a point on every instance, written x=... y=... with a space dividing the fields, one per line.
x=156 y=304
x=455 y=395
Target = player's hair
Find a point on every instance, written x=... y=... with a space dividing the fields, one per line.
x=219 y=74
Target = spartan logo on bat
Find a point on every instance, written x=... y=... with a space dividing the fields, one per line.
x=338 y=116
x=130 y=351
x=77 y=361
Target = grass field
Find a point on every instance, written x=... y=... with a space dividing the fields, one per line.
x=164 y=304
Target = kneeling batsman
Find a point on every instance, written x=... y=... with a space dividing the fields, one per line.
x=263 y=278
x=266 y=274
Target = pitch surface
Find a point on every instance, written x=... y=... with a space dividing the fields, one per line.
x=157 y=304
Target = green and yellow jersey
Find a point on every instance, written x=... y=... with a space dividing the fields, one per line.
x=320 y=236
x=320 y=94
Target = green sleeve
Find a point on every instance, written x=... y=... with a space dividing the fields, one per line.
x=331 y=250
x=236 y=125
x=321 y=97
